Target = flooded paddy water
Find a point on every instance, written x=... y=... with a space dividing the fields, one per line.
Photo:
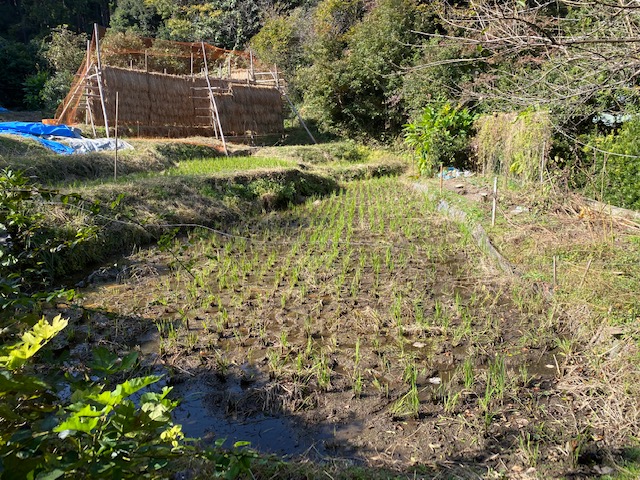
x=363 y=325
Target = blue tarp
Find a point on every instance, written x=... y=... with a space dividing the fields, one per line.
x=36 y=131
x=2 y=109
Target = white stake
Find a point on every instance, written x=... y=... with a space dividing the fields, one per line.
x=115 y=163
x=495 y=198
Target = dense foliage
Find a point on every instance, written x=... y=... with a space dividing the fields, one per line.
x=615 y=174
x=440 y=135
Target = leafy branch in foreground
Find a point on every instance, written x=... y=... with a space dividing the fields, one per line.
x=123 y=431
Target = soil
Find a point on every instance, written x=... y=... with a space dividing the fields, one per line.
x=363 y=326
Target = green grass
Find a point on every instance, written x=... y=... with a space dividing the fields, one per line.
x=206 y=166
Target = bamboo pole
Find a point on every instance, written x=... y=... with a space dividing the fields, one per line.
x=495 y=199
x=99 y=72
x=84 y=80
x=586 y=271
x=212 y=100
x=543 y=161
x=115 y=163
x=73 y=94
x=293 y=107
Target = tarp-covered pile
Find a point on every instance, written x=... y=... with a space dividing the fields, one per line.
x=59 y=138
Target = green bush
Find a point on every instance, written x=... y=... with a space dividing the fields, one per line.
x=440 y=135
x=615 y=177
x=32 y=87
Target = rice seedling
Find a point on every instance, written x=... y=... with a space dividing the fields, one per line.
x=357 y=384
x=497 y=376
x=467 y=373
x=529 y=449
x=449 y=398
x=323 y=372
x=418 y=313
x=408 y=405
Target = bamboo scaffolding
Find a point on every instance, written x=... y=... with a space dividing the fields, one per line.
x=212 y=99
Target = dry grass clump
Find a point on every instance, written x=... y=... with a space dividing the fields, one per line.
x=513 y=143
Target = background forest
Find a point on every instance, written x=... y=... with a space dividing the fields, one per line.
x=376 y=70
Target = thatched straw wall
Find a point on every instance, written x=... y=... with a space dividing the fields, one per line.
x=180 y=104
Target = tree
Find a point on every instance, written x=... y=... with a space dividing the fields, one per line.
x=352 y=85
x=138 y=16
x=18 y=62
x=575 y=57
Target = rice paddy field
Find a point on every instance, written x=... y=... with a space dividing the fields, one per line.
x=362 y=331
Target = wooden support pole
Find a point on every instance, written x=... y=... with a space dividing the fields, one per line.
x=192 y=65
x=441 y=177
x=99 y=72
x=115 y=163
x=293 y=107
x=555 y=270
x=252 y=73
x=146 y=60
x=214 y=106
x=495 y=201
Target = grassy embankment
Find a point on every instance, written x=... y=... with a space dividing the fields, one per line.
x=180 y=184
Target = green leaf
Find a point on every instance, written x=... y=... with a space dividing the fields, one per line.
x=76 y=424
x=15 y=356
x=51 y=475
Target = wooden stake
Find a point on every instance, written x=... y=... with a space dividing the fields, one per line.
x=146 y=60
x=495 y=199
x=252 y=73
x=192 y=64
x=555 y=274
x=543 y=159
x=115 y=163
x=441 y=177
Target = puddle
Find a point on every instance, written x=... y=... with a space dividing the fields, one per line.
x=267 y=434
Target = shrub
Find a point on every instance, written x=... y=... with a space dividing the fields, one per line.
x=440 y=135
x=615 y=176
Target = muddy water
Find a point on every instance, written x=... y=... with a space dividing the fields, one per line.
x=268 y=434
